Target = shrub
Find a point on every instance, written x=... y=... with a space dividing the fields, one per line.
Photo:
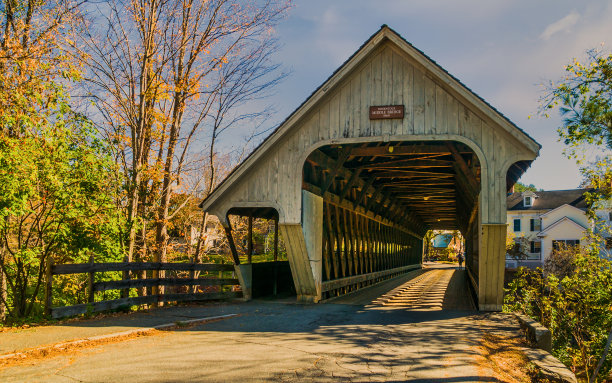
x=574 y=300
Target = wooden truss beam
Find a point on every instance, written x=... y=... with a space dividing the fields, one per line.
x=344 y=154
x=335 y=200
x=401 y=150
x=323 y=160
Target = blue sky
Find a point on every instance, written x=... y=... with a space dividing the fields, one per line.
x=503 y=50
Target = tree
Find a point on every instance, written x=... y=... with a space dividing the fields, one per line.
x=163 y=74
x=519 y=187
x=33 y=58
x=57 y=188
x=575 y=308
x=584 y=99
x=517 y=247
x=35 y=67
x=580 y=304
x=57 y=202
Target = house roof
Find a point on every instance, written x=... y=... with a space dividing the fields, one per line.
x=557 y=223
x=559 y=208
x=548 y=200
x=383 y=34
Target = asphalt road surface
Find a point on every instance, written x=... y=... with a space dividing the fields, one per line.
x=417 y=328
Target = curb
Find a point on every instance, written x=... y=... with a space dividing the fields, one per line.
x=537 y=334
x=550 y=368
x=122 y=334
x=540 y=337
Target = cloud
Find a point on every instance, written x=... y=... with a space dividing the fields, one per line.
x=560 y=25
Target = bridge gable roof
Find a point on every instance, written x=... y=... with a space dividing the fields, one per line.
x=383 y=36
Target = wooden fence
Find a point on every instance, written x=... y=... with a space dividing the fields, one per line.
x=126 y=283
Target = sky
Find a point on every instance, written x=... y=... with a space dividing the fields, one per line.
x=504 y=50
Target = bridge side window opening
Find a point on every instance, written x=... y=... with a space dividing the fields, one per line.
x=517 y=224
x=535 y=224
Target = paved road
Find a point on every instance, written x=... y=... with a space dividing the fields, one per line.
x=397 y=331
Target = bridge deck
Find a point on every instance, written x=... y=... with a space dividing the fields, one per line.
x=436 y=287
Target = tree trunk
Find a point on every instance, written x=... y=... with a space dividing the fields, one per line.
x=3 y=294
x=603 y=358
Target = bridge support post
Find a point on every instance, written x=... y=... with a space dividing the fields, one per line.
x=491 y=262
x=312 y=227
x=304 y=245
x=245 y=276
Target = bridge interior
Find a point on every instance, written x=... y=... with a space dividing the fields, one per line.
x=379 y=200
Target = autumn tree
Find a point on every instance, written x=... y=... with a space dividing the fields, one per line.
x=584 y=100
x=164 y=75
x=56 y=193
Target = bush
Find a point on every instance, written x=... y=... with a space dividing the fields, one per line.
x=574 y=300
x=561 y=261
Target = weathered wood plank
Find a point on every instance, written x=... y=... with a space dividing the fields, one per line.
x=376 y=92
x=430 y=106
x=200 y=297
x=419 y=102
x=366 y=86
x=397 y=94
x=133 y=283
x=408 y=98
x=78 y=268
x=355 y=104
x=343 y=282
x=61 y=312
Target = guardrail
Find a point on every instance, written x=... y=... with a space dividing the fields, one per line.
x=126 y=283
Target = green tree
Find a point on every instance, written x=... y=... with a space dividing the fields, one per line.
x=577 y=306
x=519 y=187
x=57 y=200
x=584 y=99
x=57 y=189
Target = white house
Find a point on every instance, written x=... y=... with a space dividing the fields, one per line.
x=547 y=219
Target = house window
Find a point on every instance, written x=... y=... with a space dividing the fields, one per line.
x=558 y=243
x=535 y=224
x=535 y=247
x=517 y=224
x=610 y=216
x=608 y=243
x=527 y=201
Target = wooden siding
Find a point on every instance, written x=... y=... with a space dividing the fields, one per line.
x=491 y=273
x=433 y=111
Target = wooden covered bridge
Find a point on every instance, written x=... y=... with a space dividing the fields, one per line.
x=390 y=146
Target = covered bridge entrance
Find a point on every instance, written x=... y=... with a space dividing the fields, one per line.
x=390 y=146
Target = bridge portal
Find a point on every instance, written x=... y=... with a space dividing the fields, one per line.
x=390 y=146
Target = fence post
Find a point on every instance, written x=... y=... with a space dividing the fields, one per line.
x=48 y=286
x=155 y=290
x=250 y=240
x=90 y=281
x=275 y=287
x=192 y=288
x=125 y=293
